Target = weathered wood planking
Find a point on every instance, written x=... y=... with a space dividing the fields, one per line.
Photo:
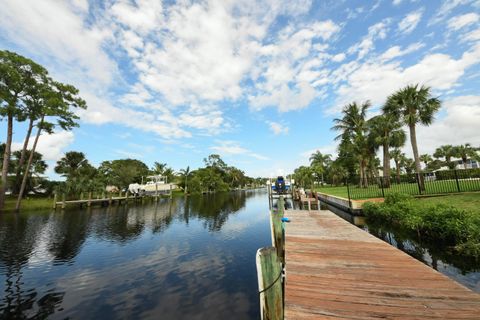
x=335 y=270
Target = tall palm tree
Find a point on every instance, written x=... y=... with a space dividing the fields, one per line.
x=320 y=161
x=426 y=158
x=464 y=151
x=353 y=127
x=397 y=155
x=185 y=173
x=387 y=131
x=446 y=151
x=413 y=104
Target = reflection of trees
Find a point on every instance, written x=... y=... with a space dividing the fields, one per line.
x=414 y=246
x=18 y=237
x=215 y=208
x=68 y=234
x=162 y=216
x=121 y=223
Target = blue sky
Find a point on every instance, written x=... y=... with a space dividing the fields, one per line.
x=257 y=82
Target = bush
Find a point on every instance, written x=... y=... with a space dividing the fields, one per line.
x=453 y=226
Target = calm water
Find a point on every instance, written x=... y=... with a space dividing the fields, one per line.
x=192 y=259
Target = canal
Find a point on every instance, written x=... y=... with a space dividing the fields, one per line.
x=188 y=258
x=179 y=259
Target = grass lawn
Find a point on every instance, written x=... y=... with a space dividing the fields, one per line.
x=30 y=203
x=467 y=201
x=431 y=187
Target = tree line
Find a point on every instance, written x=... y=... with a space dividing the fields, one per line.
x=81 y=176
x=28 y=94
x=360 y=139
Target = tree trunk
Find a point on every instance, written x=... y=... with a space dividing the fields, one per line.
x=361 y=174
x=386 y=166
x=22 y=156
x=464 y=162
x=418 y=167
x=397 y=165
x=6 y=160
x=365 y=176
x=27 y=169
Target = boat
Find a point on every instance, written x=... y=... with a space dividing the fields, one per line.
x=156 y=184
x=280 y=186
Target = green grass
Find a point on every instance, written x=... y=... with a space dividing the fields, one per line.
x=29 y=203
x=431 y=187
x=452 y=221
x=466 y=201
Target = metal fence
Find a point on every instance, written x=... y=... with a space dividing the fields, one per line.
x=440 y=182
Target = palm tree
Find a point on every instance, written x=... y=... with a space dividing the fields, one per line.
x=387 y=131
x=319 y=162
x=413 y=105
x=353 y=127
x=397 y=155
x=446 y=151
x=426 y=158
x=464 y=151
x=185 y=173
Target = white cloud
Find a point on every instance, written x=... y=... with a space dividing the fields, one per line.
x=51 y=146
x=65 y=37
x=375 y=32
x=396 y=51
x=339 y=57
x=461 y=21
x=458 y=126
x=277 y=128
x=396 y=2
x=225 y=147
x=410 y=22
x=472 y=36
x=375 y=80
x=445 y=10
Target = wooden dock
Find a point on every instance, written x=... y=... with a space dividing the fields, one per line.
x=334 y=270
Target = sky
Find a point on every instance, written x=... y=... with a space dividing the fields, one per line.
x=258 y=82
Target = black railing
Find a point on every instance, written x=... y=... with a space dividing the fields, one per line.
x=440 y=182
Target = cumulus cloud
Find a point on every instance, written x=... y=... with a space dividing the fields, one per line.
x=410 y=22
x=277 y=128
x=51 y=146
x=458 y=126
x=375 y=80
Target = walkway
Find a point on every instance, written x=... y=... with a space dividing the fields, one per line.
x=335 y=270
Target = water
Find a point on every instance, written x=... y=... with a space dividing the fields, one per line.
x=462 y=269
x=180 y=259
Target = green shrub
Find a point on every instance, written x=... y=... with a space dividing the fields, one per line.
x=440 y=222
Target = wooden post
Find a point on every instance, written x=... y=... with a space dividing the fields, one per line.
x=269 y=271
x=110 y=199
x=63 y=201
x=81 y=195
x=277 y=228
x=55 y=201
x=156 y=191
x=308 y=201
x=89 y=202
x=171 y=195
x=103 y=195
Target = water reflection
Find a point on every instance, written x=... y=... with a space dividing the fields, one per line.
x=185 y=258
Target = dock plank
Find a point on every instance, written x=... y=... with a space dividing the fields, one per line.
x=334 y=270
